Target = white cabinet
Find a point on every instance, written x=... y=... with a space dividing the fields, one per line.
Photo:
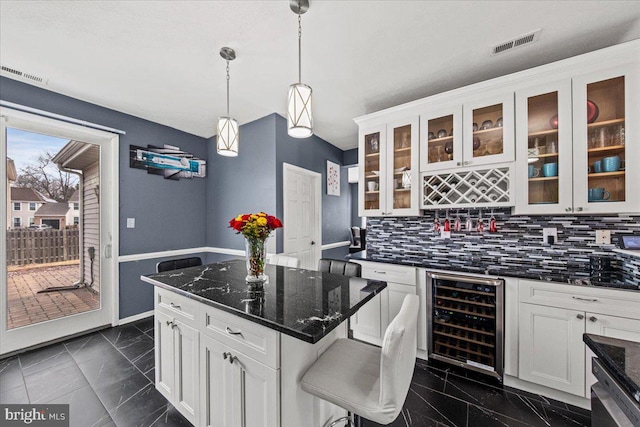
x=544 y=137
x=238 y=390
x=388 y=158
x=611 y=96
x=471 y=133
x=551 y=348
x=565 y=131
x=177 y=363
x=552 y=319
x=371 y=321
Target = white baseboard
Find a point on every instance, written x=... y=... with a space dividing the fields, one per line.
x=135 y=317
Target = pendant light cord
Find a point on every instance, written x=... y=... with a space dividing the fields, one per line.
x=228 y=78
x=299 y=44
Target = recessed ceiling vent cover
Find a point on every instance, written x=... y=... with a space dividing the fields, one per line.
x=517 y=42
x=20 y=75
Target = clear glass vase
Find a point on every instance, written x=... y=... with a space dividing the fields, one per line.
x=255 y=250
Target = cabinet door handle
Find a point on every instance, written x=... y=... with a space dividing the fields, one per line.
x=232 y=332
x=465 y=162
x=585 y=299
x=177 y=307
x=579 y=209
x=380 y=272
x=458 y=164
x=568 y=210
x=169 y=322
x=228 y=355
x=580 y=316
x=593 y=318
x=172 y=323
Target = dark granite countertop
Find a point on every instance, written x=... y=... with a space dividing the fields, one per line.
x=621 y=358
x=499 y=271
x=305 y=304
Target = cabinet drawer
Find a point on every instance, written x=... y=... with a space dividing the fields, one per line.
x=256 y=341
x=592 y=299
x=389 y=273
x=177 y=306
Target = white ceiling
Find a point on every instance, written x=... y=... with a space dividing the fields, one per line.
x=159 y=59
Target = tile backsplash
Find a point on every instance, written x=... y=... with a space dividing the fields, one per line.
x=517 y=244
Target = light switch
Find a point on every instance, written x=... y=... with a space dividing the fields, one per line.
x=131 y=223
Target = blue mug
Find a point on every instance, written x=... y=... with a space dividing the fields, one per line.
x=598 y=194
x=597 y=166
x=611 y=164
x=550 y=169
x=533 y=172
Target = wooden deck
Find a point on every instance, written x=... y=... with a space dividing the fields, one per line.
x=26 y=306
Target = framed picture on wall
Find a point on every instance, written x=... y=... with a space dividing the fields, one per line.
x=333 y=179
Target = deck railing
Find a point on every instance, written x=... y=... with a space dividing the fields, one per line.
x=42 y=247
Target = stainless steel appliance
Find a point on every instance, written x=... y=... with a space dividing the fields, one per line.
x=610 y=403
x=465 y=319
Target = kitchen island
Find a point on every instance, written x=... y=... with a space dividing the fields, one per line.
x=228 y=355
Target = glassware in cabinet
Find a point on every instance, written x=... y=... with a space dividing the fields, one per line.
x=489 y=130
x=606 y=143
x=401 y=181
x=372 y=170
x=441 y=138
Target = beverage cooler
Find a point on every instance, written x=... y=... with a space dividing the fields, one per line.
x=465 y=318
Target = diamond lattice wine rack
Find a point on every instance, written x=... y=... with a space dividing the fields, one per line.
x=468 y=188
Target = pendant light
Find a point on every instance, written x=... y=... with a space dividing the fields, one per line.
x=299 y=118
x=228 y=132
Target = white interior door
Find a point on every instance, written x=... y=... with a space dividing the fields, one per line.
x=302 y=218
x=97 y=243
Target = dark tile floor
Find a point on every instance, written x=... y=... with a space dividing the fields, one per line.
x=107 y=378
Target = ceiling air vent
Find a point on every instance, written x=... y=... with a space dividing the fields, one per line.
x=517 y=42
x=12 y=72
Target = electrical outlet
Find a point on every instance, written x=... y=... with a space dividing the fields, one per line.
x=550 y=233
x=603 y=237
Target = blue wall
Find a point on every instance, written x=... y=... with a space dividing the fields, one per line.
x=243 y=184
x=312 y=153
x=169 y=214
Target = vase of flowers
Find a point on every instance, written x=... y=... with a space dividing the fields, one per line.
x=255 y=228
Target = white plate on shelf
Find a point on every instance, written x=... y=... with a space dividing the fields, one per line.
x=375 y=172
x=402 y=169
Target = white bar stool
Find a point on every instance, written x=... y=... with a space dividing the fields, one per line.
x=369 y=381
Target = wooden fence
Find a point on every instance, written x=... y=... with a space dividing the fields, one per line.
x=41 y=247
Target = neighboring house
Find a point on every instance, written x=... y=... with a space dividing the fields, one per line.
x=73 y=214
x=24 y=204
x=83 y=160
x=53 y=214
x=11 y=176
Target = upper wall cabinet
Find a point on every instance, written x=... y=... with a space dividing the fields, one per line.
x=474 y=133
x=389 y=156
x=544 y=149
x=606 y=144
x=588 y=173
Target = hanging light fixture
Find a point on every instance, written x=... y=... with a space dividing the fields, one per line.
x=299 y=118
x=228 y=133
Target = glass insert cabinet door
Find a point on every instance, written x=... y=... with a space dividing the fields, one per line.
x=488 y=131
x=401 y=181
x=373 y=146
x=606 y=149
x=606 y=154
x=544 y=148
x=441 y=139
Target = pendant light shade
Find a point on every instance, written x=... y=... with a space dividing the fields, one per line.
x=299 y=116
x=299 y=119
x=228 y=133
x=227 y=141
